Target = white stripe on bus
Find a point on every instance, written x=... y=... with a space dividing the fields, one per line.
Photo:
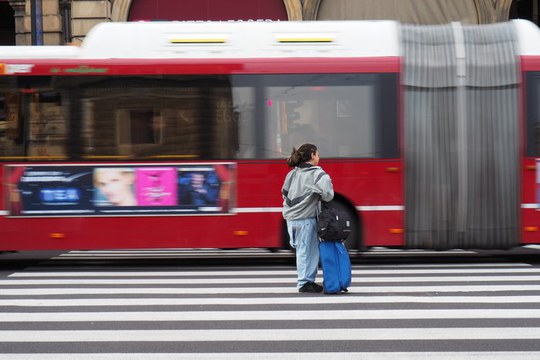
x=381 y=208
x=359 y=208
x=257 y=209
x=279 y=209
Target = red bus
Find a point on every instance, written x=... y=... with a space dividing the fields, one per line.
x=175 y=134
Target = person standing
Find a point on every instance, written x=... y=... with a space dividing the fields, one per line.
x=304 y=187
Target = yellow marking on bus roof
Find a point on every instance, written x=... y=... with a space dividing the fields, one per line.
x=305 y=40
x=198 y=41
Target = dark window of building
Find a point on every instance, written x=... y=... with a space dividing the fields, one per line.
x=139 y=127
x=7 y=24
x=525 y=9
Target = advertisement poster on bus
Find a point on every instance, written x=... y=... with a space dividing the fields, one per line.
x=120 y=190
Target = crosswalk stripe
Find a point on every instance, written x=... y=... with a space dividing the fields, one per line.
x=258 y=280
x=348 y=299
x=295 y=315
x=264 y=290
x=458 y=355
x=235 y=335
x=263 y=273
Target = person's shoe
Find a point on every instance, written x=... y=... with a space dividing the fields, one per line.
x=311 y=287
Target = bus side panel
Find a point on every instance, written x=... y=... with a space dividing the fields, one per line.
x=372 y=187
x=136 y=232
x=383 y=228
x=530 y=216
x=375 y=188
x=530 y=187
x=257 y=226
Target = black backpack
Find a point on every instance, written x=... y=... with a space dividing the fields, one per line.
x=332 y=223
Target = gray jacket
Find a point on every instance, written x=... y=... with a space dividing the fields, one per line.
x=304 y=186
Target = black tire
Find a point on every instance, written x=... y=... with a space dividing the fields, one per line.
x=354 y=240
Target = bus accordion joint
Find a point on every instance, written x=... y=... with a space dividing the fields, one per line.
x=392 y=169
x=57 y=235
x=396 y=231
x=240 y=232
x=530 y=228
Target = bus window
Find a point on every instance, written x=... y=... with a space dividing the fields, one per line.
x=244 y=116
x=174 y=117
x=48 y=125
x=533 y=114
x=196 y=117
x=11 y=134
x=337 y=112
x=33 y=121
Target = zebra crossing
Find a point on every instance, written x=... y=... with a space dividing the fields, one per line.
x=392 y=311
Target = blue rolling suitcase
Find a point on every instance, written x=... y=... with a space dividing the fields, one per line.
x=336 y=266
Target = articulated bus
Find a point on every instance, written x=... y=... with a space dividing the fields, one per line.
x=175 y=134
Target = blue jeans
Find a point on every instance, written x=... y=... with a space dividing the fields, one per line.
x=304 y=239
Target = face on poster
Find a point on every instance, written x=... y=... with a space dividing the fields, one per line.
x=120 y=190
x=199 y=186
x=114 y=186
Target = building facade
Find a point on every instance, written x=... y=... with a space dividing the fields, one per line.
x=56 y=22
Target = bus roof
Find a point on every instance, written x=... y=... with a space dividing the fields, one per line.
x=528 y=37
x=242 y=39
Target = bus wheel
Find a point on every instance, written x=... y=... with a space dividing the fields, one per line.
x=354 y=240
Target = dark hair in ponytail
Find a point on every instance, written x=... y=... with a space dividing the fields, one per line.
x=303 y=154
